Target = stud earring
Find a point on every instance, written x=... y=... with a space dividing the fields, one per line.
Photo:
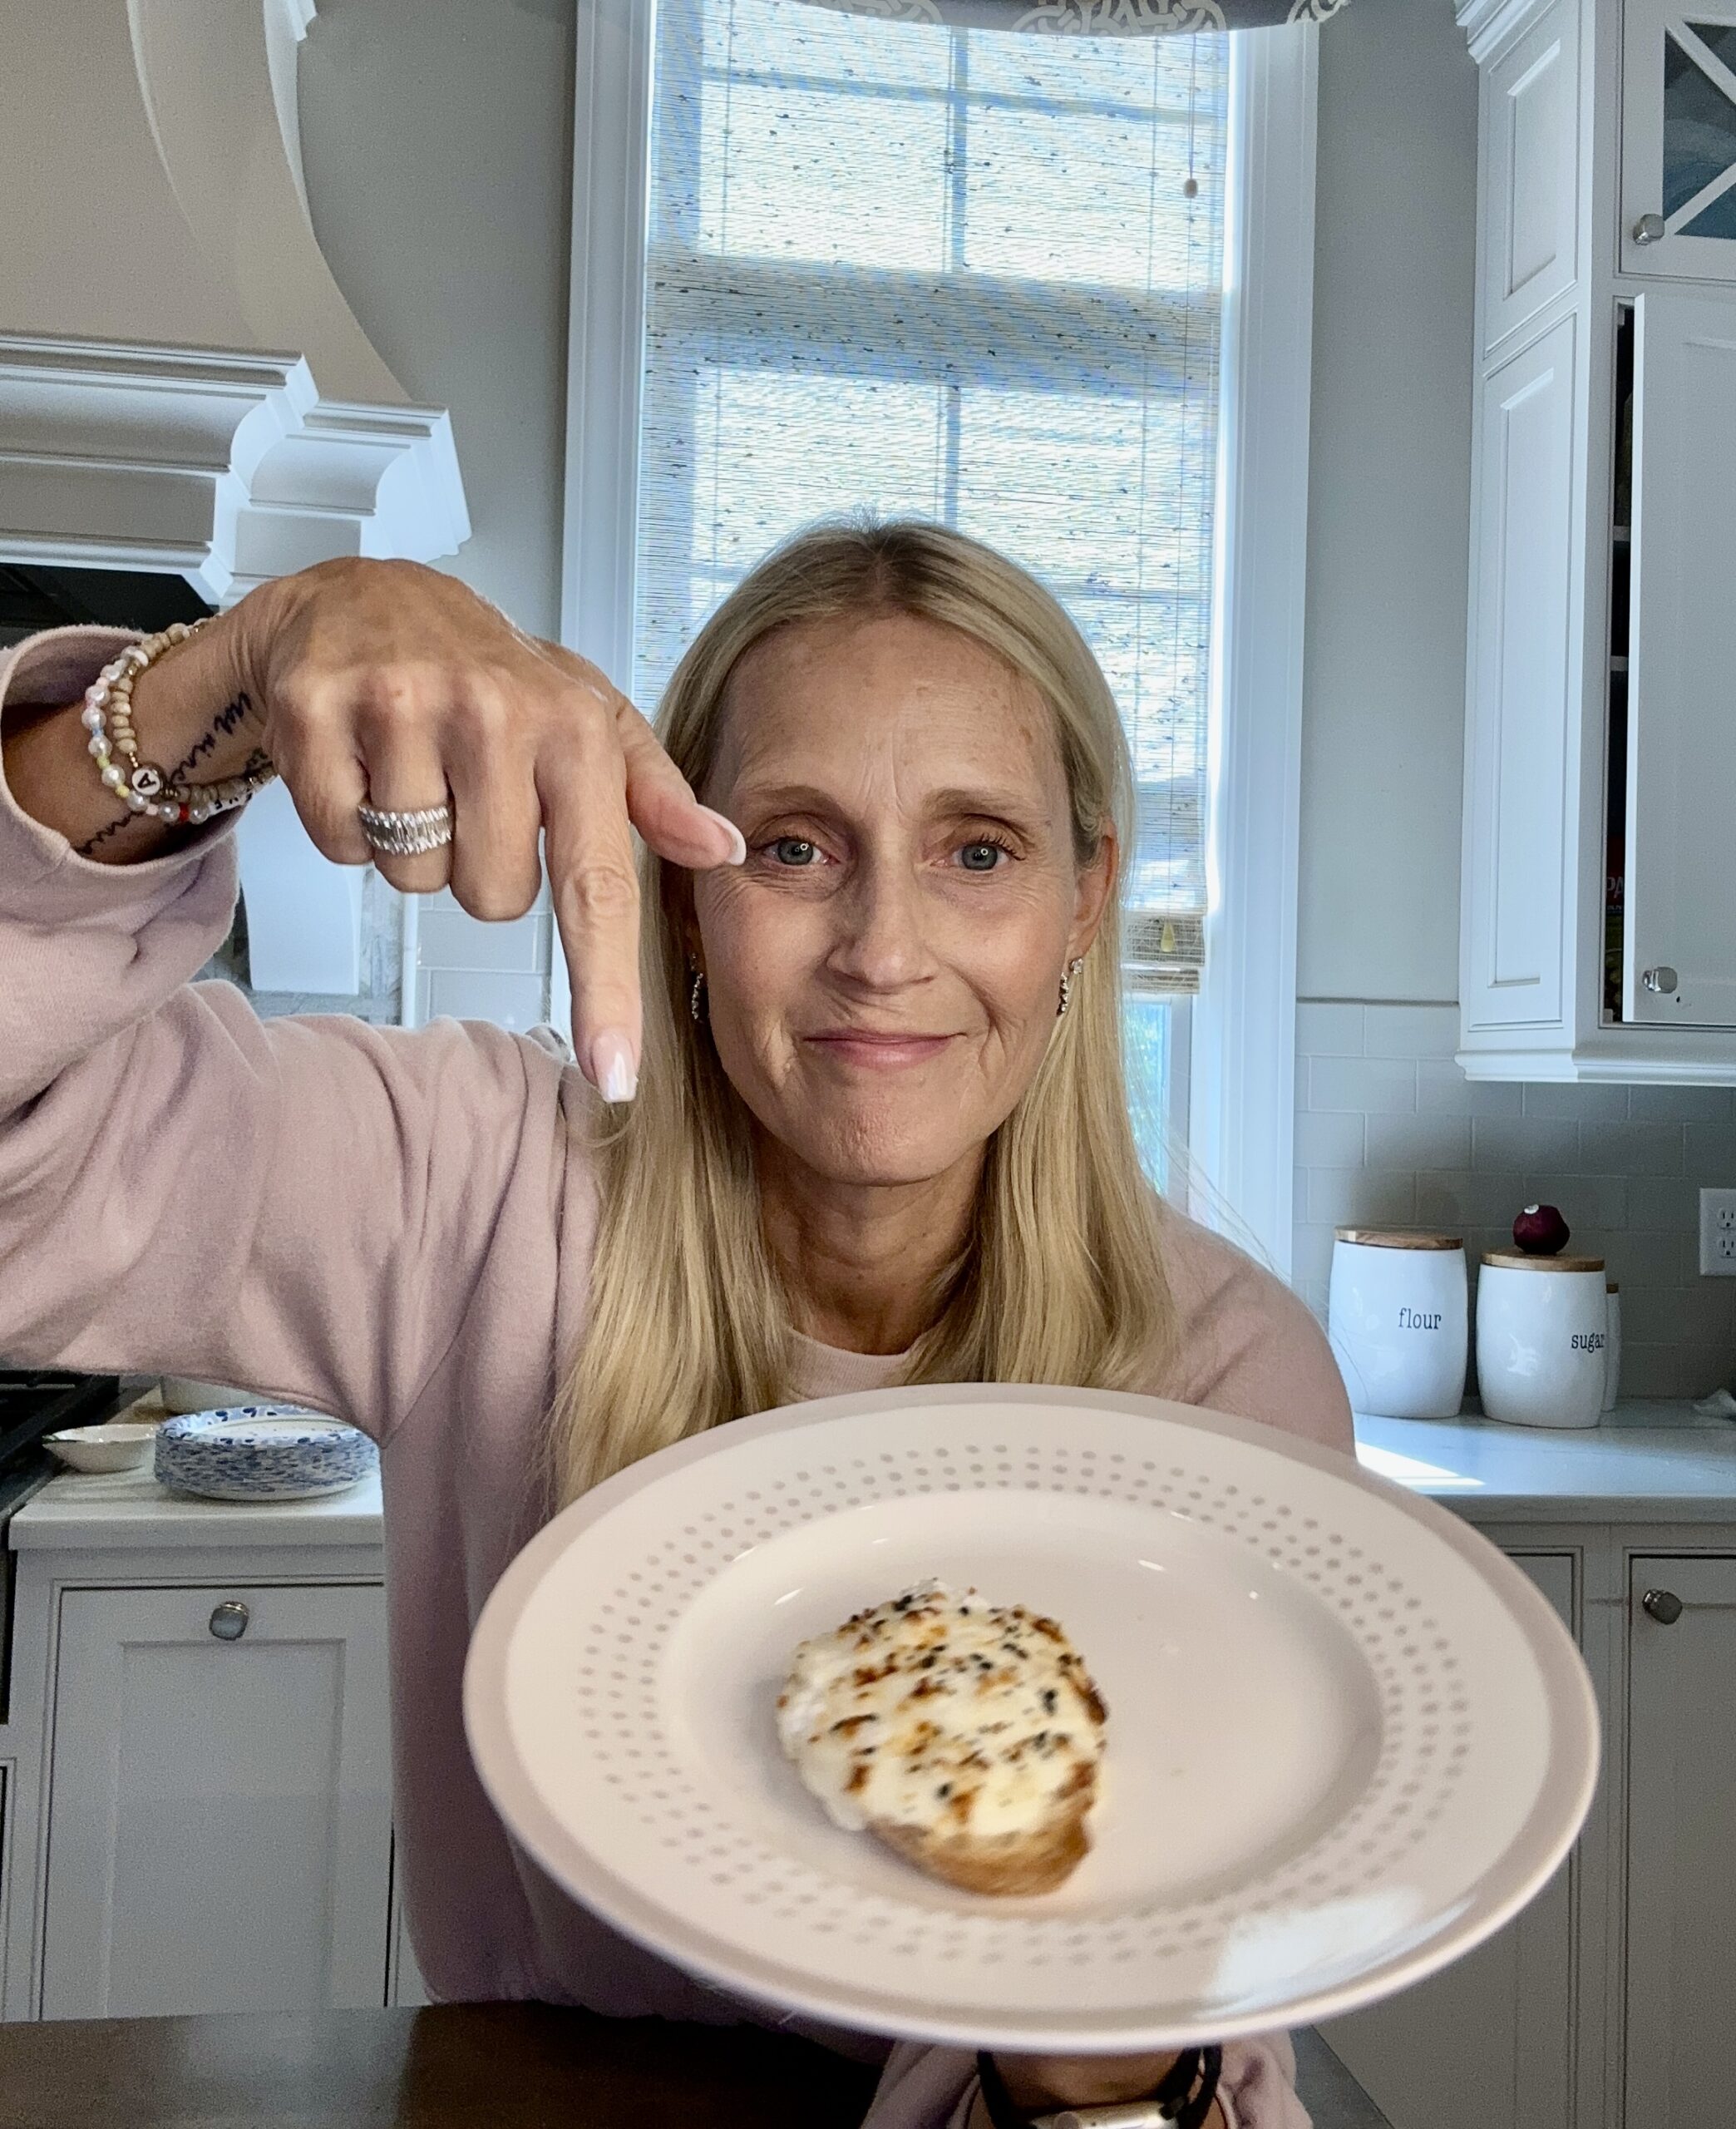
x=1069 y=975
x=696 y=995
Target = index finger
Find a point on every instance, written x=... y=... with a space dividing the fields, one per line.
x=593 y=886
x=660 y=801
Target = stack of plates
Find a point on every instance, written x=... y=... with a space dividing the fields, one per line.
x=261 y=1452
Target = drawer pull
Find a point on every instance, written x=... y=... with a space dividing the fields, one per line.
x=229 y=1622
x=1663 y=1605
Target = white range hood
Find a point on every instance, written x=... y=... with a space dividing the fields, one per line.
x=183 y=387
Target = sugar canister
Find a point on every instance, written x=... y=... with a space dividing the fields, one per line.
x=1397 y=1320
x=1542 y=1339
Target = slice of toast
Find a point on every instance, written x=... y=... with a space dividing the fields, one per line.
x=966 y=1736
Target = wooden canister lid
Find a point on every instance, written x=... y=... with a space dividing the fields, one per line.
x=1612 y=1286
x=1396 y=1238
x=1510 y=1260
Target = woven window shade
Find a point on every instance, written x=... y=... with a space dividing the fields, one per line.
x=1097 y=18
x=935 y=271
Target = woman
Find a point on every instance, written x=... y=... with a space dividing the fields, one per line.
x=867 y=1125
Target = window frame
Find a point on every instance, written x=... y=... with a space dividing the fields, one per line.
x=1231 y=1093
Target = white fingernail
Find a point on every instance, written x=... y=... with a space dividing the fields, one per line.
x=737 y=841
x=612 y=1066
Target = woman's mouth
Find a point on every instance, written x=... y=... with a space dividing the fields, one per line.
x=877 y=1052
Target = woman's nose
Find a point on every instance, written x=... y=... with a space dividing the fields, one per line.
x=881 y=937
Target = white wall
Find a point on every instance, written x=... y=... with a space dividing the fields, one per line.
x=436 y=136
x=1388 y=505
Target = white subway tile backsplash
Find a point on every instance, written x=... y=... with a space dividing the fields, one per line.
x=1515 y=1144
x=1582 y=1103
x=1457 y=1199
x=1419 y=1031
x=1709 y=1154
x=1418 y=1142
x=1329 y=1138
x=1669 y=1202
x=1443 y=1090
x=1683 y=1104
x=1329 y=1029
x=1390 y=1133
x=1632 y=1148
x=1340 y=1196
x=513 y=1000
x=1376 y=1086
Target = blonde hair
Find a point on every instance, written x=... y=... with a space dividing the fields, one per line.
x=1061 y=1279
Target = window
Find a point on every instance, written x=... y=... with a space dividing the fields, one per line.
x=959 y=273
x=825 y=258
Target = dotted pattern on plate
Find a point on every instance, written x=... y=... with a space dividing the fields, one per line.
x=1423 y=1708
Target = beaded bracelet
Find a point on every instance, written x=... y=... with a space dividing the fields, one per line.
x=142 y=784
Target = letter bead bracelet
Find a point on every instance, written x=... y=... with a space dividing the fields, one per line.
x=145 y=787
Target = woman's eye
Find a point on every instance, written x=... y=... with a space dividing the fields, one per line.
x=793 y=849
x=981 y=857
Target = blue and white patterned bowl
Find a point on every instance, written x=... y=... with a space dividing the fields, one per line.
x=261 y=1452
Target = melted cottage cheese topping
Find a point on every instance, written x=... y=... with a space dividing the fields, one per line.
x=944 y=1712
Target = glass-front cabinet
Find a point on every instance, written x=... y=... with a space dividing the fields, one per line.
x=1679 y=139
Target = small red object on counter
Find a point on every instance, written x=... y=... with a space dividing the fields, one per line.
x=1540 y=1231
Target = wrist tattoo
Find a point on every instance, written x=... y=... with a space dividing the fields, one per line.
x=224 y=726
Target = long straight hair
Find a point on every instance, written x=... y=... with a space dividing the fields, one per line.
x=1061 y=1278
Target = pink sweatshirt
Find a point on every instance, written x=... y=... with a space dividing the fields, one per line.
x=396 y=1227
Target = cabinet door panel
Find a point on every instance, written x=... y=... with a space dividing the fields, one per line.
x=1517 y=754
x=1678 y=137
x=220 y=1812
x=1681 y=900
x=1489 y=2040
x=1530 y=197
x=1681 y=1867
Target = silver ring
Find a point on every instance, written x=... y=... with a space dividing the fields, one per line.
x=406 y=835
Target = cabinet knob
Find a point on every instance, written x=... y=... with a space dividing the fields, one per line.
x=229 y=1622
x=1662 y=979
x=1649 y=229
x=1663 y=1605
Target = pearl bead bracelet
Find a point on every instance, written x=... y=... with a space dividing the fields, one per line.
x=143 y=786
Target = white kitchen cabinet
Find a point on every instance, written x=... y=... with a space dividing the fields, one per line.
x=1679 y=139
x=1681 y=1862
x=197 y=1822
x=1488 y=2041
x=219 y=1813
x=1681 y=768
x=1598 y=932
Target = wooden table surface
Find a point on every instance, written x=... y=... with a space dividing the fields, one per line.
x=482 y=2065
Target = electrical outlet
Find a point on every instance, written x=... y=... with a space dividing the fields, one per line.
x=1718 y=1234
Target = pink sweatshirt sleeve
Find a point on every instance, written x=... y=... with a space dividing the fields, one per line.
x=187 y=1189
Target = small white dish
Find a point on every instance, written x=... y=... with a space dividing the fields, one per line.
x=120 y=1445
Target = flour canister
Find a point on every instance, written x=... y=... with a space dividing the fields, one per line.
x=1542 y=1339
x=1398 y=1318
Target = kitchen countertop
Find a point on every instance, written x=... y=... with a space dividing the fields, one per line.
x=1654 y=1462
x=110 y=1510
